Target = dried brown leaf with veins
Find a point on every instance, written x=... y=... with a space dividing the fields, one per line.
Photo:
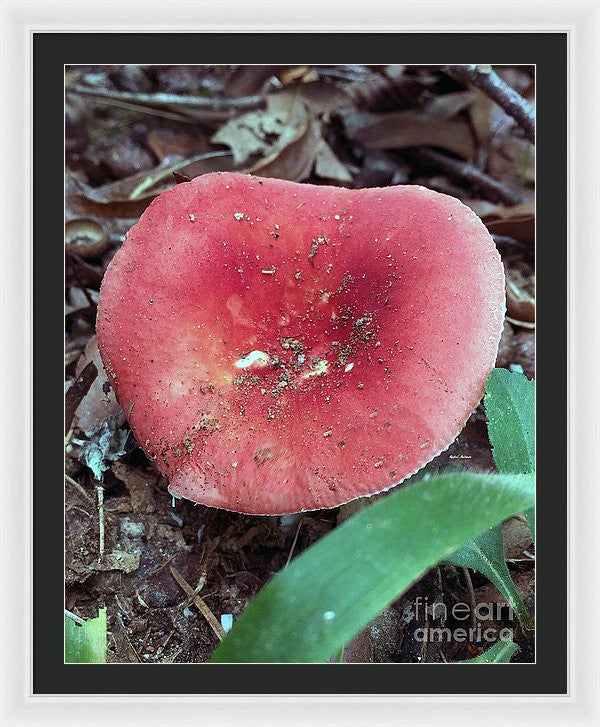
x=405 y=129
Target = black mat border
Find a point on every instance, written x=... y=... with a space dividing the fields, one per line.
x=549 y=52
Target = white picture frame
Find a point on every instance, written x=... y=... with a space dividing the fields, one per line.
x=580 y=19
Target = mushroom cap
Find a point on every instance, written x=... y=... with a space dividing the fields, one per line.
x=283 y=347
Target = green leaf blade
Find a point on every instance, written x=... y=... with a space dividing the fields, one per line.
x=331 y=591
x=510 y=407
x=485 y=553
x=86 y=644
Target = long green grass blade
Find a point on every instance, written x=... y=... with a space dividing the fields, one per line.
x=331 y=591
x=86 y=644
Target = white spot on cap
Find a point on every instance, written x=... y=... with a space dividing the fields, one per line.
x=320 y=369
x=238 y=215
x=349 y=367
x=260 y=358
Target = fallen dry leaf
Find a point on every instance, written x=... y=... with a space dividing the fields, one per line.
x=380 y=169
x=191 y=167
x=108 y=200
x=139 y=485
x=512 y=161
x=328 y=166
x=405 y=129
x=97 y=404
x=118 y=560
x=488 y=119
x=448 y=105
x=128 y=198
x=517 y=347
x=124 y=157
x=519 y=305
x=517 y=222
x=517 y=538
x=248 y=80
x=524 y=582
x=265 y=132
x=385 y=88
x=287 y=136
x=323 y=98
x=78 y=390
x=296 y=159
x=168 y=144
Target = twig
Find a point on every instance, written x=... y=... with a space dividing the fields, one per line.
x=75 y=617
x=100 y=492
x=289 y=558
x=140 y=109
x=161 y=649
x=244 y=103
x=124 y=637
x=465 y=171
x=87 y=514
x=161 y=566
x=86 y=495
x=199 y=603
x=199 y=586
x=471 y=591
x=488 y=81
x=68 y=437
x=79 y=388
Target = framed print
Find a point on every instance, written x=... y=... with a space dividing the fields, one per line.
x=317 y=423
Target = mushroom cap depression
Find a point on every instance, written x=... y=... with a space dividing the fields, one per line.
x=283 y=347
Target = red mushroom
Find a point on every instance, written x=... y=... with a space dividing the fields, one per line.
x=283 y=347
